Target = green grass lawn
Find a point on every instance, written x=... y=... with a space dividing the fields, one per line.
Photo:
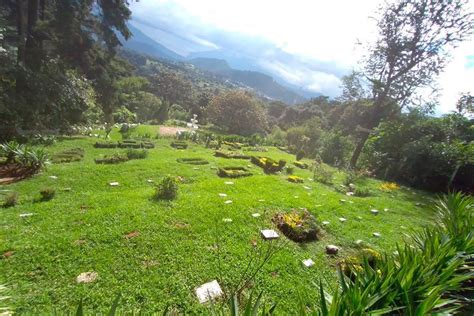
x=82 y=229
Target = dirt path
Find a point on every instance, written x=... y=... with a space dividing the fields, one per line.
x=171 y=130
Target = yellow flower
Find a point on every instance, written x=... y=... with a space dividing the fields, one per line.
x=389 y=186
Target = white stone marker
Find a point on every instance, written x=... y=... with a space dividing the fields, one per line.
x=87 y=277
x=306 y=187
x=308 y=263
x=349 y=193
x=149 y=181
x=342 y=201
x=325 y=223
x=229 y=182
x=385 y=209
x=256 y=215
x=195 y=168
x=342 y=219
x=359 y=242
x=376 y=234
x=261 y=200
x=208 y=291
x=222 y=194
x=53 y=177
x=26 y=215
x=114 y=184
x=374 y=212
x=227 y=220
x=269 y=234
x=228 y=202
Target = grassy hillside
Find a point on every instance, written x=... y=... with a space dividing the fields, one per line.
x=178 y=245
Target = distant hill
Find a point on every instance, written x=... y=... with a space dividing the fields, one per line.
x=146 y=45
x=258 y=81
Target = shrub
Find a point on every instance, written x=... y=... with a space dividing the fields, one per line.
x=233 y=172
x=179 y=145
x=69 y=155
x=11 y=199
x=47 y=194
x=289 y=170
x=298 y=226
x=322 y=174
x=301 y=165
x=300 y=155
x=193 y=161
x=295 y=179
x=136 y=154
x=105 y=145
x=112 y=159
x=167 y=189
x=362 y=192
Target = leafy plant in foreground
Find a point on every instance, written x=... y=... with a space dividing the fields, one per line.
x=167 y=189
x=419 y=279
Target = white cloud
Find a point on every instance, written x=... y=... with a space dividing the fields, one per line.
x=318 y=31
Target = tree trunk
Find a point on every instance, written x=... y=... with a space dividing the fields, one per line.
x=358 y=150
x=22 y=21
x=33 y=43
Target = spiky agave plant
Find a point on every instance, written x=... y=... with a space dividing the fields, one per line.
x=10 y=150
x=419 y=278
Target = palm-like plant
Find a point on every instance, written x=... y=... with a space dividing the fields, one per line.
x=9 y=150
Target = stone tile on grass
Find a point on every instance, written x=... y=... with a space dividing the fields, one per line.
x=87 y=277
x=208 y=291
x=308 y=263
x=114 y=184
x=269 y=234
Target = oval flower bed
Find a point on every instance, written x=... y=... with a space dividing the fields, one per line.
x=295 y=179
x=269 y=165
x=299 y=226
x=233 y=172
x=193 y=161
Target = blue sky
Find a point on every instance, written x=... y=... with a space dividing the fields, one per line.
x=310 y=43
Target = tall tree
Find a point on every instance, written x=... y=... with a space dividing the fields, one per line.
x=414 y=38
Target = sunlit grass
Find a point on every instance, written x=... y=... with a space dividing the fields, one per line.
x=83 y=227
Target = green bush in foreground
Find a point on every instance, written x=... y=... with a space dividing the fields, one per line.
x=421 y=278
x=47 y=194
x=11 y=199
x=167 y=189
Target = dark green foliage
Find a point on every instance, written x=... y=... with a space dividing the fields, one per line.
x=335 y=148
x=230 y=155
x=267 y=164
x=362 y=192
x=233 y=172
x=193 y=161
x=290 y=170
x=301 y=165
x=300 y=155
x=69 y=155
x=105 y=145
x=125 y=144
x=136 y=154
x=322 y=173
x=179 y=145
x=167 y=189
x=426 y=152
x=112 y=159
x=10 y=200
x=47 y=194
